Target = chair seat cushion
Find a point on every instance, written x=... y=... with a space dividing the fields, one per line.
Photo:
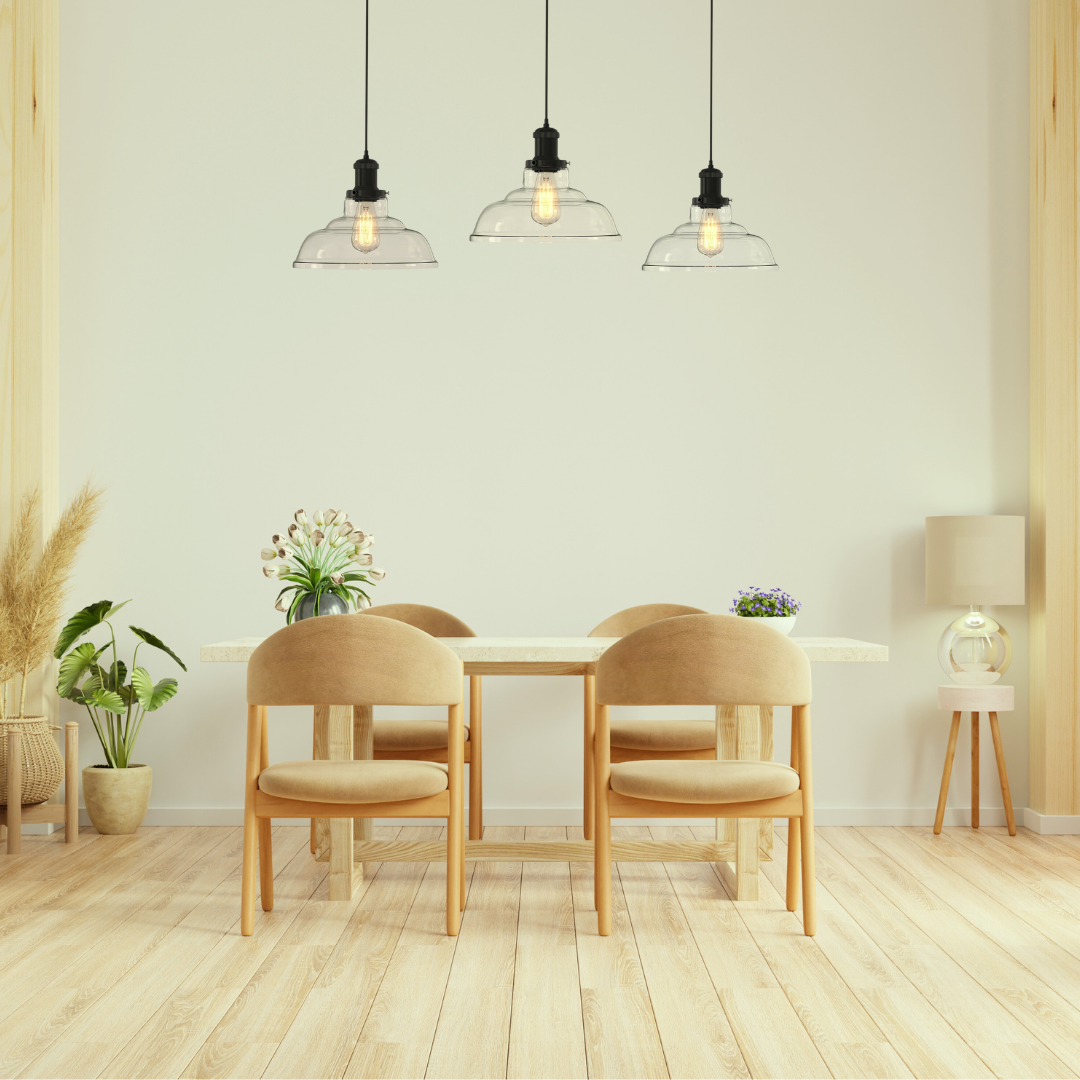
x=412 y=734
x=664 y=735
x=353 y=781
x=704 y=781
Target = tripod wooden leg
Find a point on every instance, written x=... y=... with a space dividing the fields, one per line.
x=1006 y=796
x=947 y=774
x=974 y=770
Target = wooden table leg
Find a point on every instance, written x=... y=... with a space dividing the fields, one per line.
x=939 y=817
x=340 y=746
x=476 y=758
x=738 y=737
x=974 y=770
x=589 y=811
x=321 y=752
x=1006 y=796
x=363 y=749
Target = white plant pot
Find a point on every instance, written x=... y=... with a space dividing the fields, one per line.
x=784 y=623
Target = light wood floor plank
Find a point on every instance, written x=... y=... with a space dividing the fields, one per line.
x=1047 y=1018
x=770 y=1034
x=693 y=1027
x=473 y=1035
x=398 y=1033
x=547 y=1034
x=100 y=1031
x=621 y=1038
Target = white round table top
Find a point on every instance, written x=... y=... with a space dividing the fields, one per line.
x=997 y=697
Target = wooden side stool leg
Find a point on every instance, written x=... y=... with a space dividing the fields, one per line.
x=946 y=776
x=14 y=793
x=71 y=783
x=1006 y=796
x=974 y=770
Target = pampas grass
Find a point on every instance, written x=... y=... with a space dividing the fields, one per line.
x=33 y=591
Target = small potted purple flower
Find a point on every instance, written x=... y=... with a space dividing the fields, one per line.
x=774 y=607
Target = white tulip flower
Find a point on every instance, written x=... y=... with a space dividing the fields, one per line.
x=282 y=553
x=363 y=602
x=362 y=558
x=318 y=536
x=339 y=517
x=268 y=553
x=300 y=517
x=319 y=519
x=282 y=604
x=278 y=540
x=376 y=574
x=296 y=535
x=271 y=571
x=346 y=529
x=337 y=579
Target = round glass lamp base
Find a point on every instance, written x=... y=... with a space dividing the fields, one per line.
x=975 y=650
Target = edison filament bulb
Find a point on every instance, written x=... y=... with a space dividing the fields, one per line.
x=710 y=237
x=545 y=203
x=365 y=230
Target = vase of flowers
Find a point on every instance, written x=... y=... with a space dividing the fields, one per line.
x=32 y=590
x=117 y=793
x=326 y=562
x=774 y=607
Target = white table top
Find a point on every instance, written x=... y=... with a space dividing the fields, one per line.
x=571 y=650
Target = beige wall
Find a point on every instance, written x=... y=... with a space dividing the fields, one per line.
x=539 y=437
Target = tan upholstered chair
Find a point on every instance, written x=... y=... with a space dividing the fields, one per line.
x=644 y=740
x=425 y=740
x=707 y=660
x=346 y=661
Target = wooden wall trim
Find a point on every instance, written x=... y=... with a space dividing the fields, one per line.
x=1054 y=463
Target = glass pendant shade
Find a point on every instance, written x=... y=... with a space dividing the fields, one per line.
x=365 y=236
x=710 y=240
x=545 y=209
x=975 y=650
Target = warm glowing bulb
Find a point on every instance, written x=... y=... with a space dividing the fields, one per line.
x=710 y=237
x=545 y=204
x=365 y=230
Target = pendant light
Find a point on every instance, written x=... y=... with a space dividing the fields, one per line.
x=545 y=208
x=365 y=235
x=710 y=240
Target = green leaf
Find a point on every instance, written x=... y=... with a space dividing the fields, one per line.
x=115 y=676
x=108 y=700
x=113 y=610
x=152 y=697
x=81 y=623
x=157 y=643
x=75 y=665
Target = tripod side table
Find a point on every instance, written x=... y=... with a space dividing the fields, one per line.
x=975 y=699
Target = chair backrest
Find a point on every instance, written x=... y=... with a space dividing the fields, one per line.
x=634 y=618
x=704 y=660
x=347 y=660
x=431 y=620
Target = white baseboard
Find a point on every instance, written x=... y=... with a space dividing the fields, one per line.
x=1045 y=824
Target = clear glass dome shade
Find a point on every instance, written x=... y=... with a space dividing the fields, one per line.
x=545 y=209
x=975 y=650
x=365 y=236
x=710 y=240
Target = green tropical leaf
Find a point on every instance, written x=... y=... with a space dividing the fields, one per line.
x=75 y=665
x=157 y=643
x=108 y=700
x=152 y=697
x=82 y=622
x=113 y=610
x=115 y=676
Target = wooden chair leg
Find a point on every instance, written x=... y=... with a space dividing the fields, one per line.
x=793 y=839
x=974 y=770
x=946 y=776
x=314 y=754
x=476 y=759
x=247 y=891
x=806 y=826
x=14 y=795
x=71 y=782
x=1006 y=795
x=589 y=800
x=602 y=823
x=266 y=855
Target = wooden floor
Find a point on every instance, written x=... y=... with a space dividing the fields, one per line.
x=956 y=955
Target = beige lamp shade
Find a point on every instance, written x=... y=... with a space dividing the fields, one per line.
x=975 y=560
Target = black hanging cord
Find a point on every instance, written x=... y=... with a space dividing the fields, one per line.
x=546 y=4
x=710 y=80
x=367 y=13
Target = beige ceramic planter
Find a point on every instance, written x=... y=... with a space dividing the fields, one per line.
x=116 y=799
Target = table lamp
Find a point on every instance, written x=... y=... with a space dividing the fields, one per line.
x=975 y=561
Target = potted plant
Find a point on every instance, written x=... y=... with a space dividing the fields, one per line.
x=327 y=563
x=774 y=607
x=118 y=792
x=32 y=590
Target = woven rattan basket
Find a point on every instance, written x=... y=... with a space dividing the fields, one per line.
x=42 y=765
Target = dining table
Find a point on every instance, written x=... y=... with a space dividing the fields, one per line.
x=744 y=732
